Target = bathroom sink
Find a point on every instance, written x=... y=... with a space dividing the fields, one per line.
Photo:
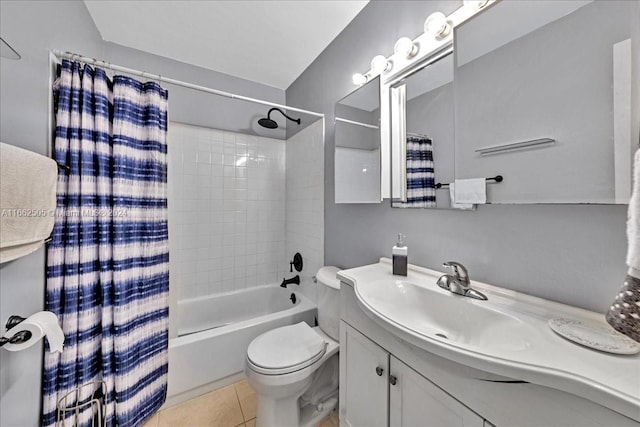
x=505 y=335
x=445 y=316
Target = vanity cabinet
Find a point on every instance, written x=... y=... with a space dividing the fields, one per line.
x=381 y=390
x=416 y=401
x=366 y=389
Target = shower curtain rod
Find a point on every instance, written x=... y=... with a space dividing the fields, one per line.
x=75 y=57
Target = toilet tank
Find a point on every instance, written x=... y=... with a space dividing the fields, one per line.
x=328 y=292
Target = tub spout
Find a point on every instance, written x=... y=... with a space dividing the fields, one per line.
x=293 y=280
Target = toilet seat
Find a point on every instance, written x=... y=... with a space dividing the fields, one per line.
x=286 y=349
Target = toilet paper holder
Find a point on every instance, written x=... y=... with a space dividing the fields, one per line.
x=20 y=337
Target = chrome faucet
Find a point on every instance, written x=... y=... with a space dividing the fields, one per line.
x=459 y=282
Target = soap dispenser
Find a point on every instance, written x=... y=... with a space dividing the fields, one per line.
x=399 y=255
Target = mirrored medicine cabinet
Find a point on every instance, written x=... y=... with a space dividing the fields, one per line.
x=547 y=94
x=544 y=94
x=357 y=146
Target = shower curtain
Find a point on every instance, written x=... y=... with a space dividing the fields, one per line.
x=108 y=260
x=421 y=190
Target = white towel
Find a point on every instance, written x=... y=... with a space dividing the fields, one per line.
x=452 y=196
x=471 y=191
x=633 y=222
x=27 y=201
x=624 y=313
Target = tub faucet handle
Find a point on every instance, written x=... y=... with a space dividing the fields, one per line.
x=296 y=262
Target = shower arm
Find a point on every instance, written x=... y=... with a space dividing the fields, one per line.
x=283 y=113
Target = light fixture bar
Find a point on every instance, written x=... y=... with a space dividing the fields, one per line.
x=408 y=52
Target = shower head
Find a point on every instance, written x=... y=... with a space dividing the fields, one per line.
x=267 y=122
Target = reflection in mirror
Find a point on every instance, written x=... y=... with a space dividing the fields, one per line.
x=560 y=78
x=422 y=111
x=357 y=140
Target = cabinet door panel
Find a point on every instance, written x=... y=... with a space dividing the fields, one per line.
x=417 y=402
x=366 y=391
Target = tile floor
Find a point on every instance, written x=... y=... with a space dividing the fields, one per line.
x=230 y=406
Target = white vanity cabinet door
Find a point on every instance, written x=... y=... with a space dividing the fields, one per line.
x=366 y=391
x=417 y=402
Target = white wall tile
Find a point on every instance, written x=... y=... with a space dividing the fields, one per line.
x=214 y=185
x=304 y=200
x=240 y=206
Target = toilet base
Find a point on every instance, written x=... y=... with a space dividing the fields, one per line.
x=277 y=412
x=312 y=416
x=286 y=413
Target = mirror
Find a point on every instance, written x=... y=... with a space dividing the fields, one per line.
x=357 y=146
x=547 y=96
x=422 y=134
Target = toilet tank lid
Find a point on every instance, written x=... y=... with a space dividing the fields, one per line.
x=327 y=275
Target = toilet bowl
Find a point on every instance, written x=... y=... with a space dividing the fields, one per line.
x=294 y=369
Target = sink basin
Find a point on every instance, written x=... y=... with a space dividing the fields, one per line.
x=445 y=316
x=506 y=335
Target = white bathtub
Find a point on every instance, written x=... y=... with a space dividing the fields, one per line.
x=214 y=333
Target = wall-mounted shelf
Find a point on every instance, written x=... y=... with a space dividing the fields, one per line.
x=353 y=122
x=503 y=148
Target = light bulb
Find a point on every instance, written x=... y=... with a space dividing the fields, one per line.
x=436 y=24
x=405 y=47
x=475 y=4
x=380 y=64
x=359 y=79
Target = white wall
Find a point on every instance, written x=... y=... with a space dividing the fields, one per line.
x=305 y=203
x=227 y=210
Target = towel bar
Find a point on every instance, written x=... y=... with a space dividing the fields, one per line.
x=497 y=178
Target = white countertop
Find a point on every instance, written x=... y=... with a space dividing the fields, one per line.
x=548 y=359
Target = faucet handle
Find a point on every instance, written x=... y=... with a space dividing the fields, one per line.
x=459 y=270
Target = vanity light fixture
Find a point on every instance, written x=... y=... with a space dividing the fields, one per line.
x=380 y=64
x=475 y=4
x=359 y=79
x=437 y=25
x=405 y=47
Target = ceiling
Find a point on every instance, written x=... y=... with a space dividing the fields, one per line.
x=269 y=42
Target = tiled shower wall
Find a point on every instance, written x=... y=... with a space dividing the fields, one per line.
x=226 y=210
x=305 y=202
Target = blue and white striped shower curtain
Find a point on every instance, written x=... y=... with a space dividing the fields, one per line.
x=421 y=190
x=108 y=260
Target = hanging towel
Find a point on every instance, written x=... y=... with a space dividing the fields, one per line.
x=471 y=191
x=27 y=201
x=452 y=196
x=421 y=188
x=624 y=314
x=633 y=222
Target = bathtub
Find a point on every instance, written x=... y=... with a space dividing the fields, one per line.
x=215 y=331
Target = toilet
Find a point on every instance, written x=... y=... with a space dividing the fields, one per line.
x=294 y=369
